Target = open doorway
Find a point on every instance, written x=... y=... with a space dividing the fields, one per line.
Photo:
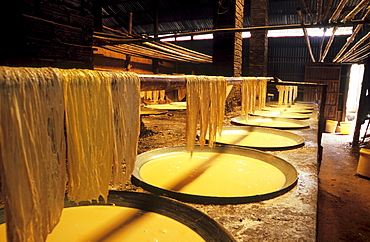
x=354 y=91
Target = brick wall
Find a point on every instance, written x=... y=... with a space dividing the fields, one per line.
x=238 y=46
x=227 y=47
x=56 y=33
x=258 y=48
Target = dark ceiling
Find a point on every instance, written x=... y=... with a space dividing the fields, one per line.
x=178 y=16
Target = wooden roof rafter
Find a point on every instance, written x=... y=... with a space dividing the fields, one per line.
x=142 y=46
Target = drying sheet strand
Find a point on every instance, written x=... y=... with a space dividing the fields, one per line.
x=101 y=135
x=193 y=105
x=89 y=126
x=101 y=129
x=287 y=94
x=32 y=142
x=126 y=105
x=253 y=88
x=157 y=96
x=205 y=103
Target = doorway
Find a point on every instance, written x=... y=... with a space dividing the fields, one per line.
x=354 y=91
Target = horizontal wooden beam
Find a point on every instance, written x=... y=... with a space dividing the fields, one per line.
x=173 y=82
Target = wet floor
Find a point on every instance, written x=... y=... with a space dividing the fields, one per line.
x=344 y=197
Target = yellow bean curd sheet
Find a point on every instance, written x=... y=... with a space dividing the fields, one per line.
x=115 y=223
x=213 y=174
x=282 y=123
x=258 y=137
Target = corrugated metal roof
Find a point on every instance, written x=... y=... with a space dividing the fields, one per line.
x=176 y=16
x=179 y=16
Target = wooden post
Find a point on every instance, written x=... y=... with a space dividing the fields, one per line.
x=307 y=38
x=129 y=30
x=155 y=62
x=258 y=47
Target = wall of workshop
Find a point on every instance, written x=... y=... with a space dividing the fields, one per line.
x=57 y=33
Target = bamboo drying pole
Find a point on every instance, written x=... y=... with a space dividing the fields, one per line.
x=122 y=40
x=354 y=11
x=129 y=35
x=141 y=51
x=351 y=39
x=360 y=54
x=267 y=27
x=328 y=45
x=319 y=11
x=337 y=11
x=306 y=35
x=328 y=6
x=359 y=43
x=154 y=53
x=172 y=82
x=308 y=11
x=169 y=44
x=176 y=52
x=322 y=44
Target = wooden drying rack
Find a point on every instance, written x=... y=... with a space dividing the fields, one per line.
x=173 y=82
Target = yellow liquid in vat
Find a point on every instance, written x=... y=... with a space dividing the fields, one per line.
x=269 y=122
x=94 y=223
x=213 y=174
x=254 y=139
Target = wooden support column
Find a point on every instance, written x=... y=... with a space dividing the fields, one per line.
x=155 y=62
x=227 y=47
x=258 y=49
x=129 y=30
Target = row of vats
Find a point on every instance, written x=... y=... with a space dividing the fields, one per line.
x=300 y=161
x=289 y=168
x=263 y=131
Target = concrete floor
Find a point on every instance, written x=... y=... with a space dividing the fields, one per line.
x=344 y=197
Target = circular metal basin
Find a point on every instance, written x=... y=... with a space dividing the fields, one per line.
x=278 y=114
x=259 y=138
x=276 y=123
x=297 y=105
x=288 y=110
x=197 y=221
x=179 y=182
